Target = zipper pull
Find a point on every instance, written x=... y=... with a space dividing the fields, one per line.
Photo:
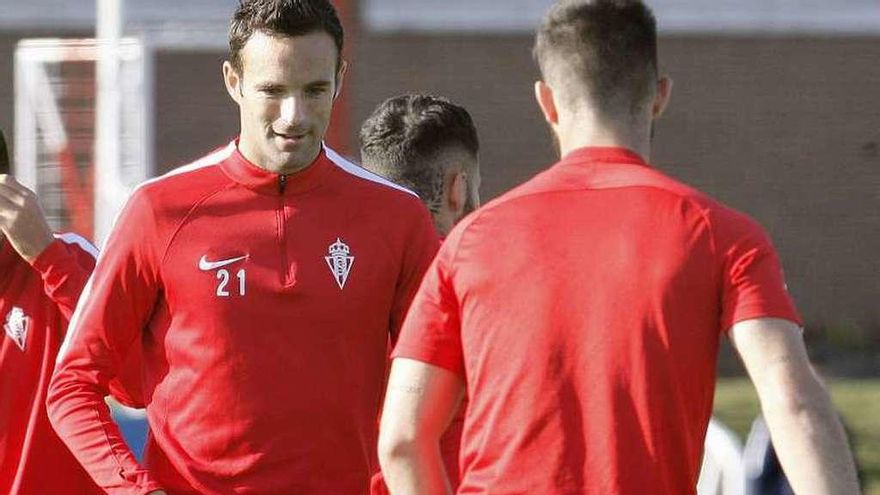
x=282 y=183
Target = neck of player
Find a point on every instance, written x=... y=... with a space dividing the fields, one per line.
x=579 y=131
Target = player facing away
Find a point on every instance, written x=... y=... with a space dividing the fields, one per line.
x=262 y=282
x=41 y=277
x=583 y=309
x=429 y=145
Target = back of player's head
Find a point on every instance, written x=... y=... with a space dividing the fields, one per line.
x=404 y=137
x=602 y=52
x=4 y=156
x=282 y=18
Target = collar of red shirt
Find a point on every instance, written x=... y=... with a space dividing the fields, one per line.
x=604 y=154
x=243 y=171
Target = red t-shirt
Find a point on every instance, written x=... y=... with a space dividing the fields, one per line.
x=36 y=302
x=450 y=444
x=584 y=310
x=263 y=307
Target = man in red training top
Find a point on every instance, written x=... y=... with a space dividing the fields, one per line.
x=41 y=277
x=429 y=145
x=262 y=282
x=583 y=309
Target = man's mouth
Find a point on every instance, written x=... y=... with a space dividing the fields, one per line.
x=291 y=135
x=292 y=138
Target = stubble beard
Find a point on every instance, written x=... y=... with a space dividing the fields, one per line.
x=296 y=160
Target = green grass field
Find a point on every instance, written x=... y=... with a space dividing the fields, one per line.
x=858 y=400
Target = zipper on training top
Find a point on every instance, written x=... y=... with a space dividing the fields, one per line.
x=287 y=278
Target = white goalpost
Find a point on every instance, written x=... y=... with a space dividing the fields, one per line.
x=84 y=119
x=60 y=148
x=110 y=191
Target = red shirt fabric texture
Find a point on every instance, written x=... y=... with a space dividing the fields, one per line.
x=36 y=302
x=263 y=306
x=450 y=443
x=584 y=309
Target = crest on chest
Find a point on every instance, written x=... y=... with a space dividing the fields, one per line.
x=340 y=260
x=17 y=326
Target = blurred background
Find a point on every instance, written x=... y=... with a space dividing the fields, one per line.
x=775 y=111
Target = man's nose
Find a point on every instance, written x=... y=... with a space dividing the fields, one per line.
x=291 y=109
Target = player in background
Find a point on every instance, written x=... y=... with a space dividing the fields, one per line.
x=583 y=309
x=263 y=283
x=429 y=145
x=41 y=277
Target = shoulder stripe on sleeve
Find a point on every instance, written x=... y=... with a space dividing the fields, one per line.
x=213 y=158
x=71 y=238
x=362 y=172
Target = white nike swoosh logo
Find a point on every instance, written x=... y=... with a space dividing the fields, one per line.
x=206 y=265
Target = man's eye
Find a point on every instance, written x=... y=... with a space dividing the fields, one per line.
x=316 y=91
x=272 y=92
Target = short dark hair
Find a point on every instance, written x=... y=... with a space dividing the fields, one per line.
x=4 y=156
x=404 y=135
x=608 y=48
x=282 y=18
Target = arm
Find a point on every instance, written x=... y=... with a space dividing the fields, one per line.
x=116 y=305
x=64 y=263
x=65 y=266
x=806 y=432
x=419 y=403
x=425 y=384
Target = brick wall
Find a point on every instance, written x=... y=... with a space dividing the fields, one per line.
x=785 y=129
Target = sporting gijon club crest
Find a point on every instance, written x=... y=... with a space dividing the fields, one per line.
x=17 y=326
x=340 y=261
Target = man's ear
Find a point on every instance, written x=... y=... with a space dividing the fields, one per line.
x=233 y=82
x=456 y=192
x=544 y=97
x=340 y=78
x=661 y=99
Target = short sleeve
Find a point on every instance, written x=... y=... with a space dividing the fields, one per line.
x=753 y=285
x=431 y=332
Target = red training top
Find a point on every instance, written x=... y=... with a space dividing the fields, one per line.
x=263 y=305
x=584 y=309
x=36 y=302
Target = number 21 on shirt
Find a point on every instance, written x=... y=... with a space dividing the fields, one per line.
x=223 y=285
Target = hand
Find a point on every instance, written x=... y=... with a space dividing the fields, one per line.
x=22 y=220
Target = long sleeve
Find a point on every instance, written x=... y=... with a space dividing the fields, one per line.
x=65 y=266
x=115 y=306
